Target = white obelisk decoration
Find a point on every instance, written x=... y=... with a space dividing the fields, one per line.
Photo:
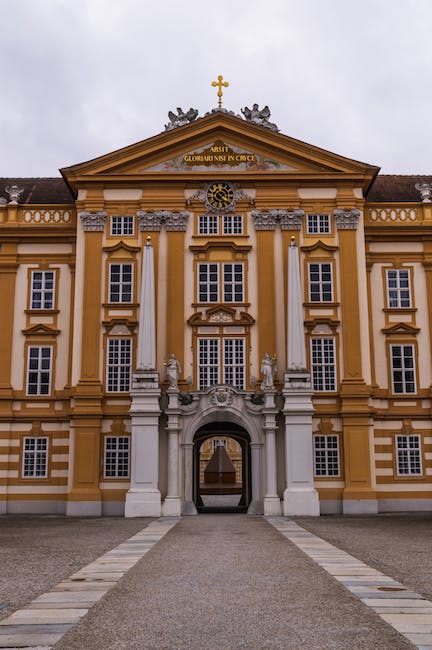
x=143 y=498
x=300 y=496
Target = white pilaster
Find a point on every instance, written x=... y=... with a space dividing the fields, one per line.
x=171 y=506
x=143 y=498
x=300 y=496
x=189 y=507
x=272 y=503
x=256 y=505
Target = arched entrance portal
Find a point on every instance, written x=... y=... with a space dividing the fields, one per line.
x=215 y=491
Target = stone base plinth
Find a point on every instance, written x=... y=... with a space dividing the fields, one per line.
x=171 y=507
x=272 y=506
x=360 y=507
x=84 y=509
x=143 y=503
x=301 y=503
x=189 y=508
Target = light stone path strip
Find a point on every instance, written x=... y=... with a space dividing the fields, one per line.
x=406 y=611
x=39 y=625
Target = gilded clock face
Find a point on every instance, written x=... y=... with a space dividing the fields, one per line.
x=220 y=195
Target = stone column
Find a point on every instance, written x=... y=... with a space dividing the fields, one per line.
x=143 y=498
x=359 y=495
x=8 y=271
x=189 y=507
x=256 y=505
x=172 y=505
x=272 y=503
x=84 y=499
x=300 y=496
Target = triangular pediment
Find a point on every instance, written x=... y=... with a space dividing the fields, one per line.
x=40 y=330
x=401 y=329
x=222 y=144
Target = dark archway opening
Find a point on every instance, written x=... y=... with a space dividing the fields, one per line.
x=222 y=485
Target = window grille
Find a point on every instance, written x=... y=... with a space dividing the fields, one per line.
x=403 y=369
x=234 y=362
x=323 y=364
x=116 y=462
x=398 y=288
x=39 y=370
x=42 y=289
x=326 y=455
x=120 y=282
x=35 y=458
x=231 y=367
x=208 y=224
x=318 y=224
x=208 y=363
x=408 y=455
x=119 y=362
x=232 y=224
x=320 y=282
x=122 y=225
x=209 y=282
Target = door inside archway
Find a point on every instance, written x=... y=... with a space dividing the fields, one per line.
x=222 y=468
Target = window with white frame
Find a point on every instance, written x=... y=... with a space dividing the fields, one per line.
x=398 y=288
x=326 y=455
x=323 y=359
x=320 y=282
x=120 y=282
x=116 y=457
x=230 y=366
x=208 y=224
x=220 y=282
x=408 y=455
x=122 y=225
x=403 y=369
x=42 y=289
x=39 y=370
x=35 y=458
x=318 y=224
x=119 y=363
x=232 y=224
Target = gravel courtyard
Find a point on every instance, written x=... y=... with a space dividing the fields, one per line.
x=218 y=581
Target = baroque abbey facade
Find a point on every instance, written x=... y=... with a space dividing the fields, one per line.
x=218 y=280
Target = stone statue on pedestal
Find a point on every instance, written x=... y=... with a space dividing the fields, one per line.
x=268 y=369
x=173 y=371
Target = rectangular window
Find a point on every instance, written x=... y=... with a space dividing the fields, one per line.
x=318 y=224
x=119 y=362
x=326 y=455
x=35 y=458
x=122 y=225
x=116 y=462
x=323 y=364
x=39 y=370
x=234 y=362
x=208 y=363
x=120 y=282
x=320 y=282
x=408 y=456
x=208 y=224
x=398 y=288
x=209 y=282
x=403 y=369
x=232 y=224
x=42 y=289
x=219 y=442
x=232 y=282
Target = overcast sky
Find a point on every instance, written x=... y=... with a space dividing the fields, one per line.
x=80 y=78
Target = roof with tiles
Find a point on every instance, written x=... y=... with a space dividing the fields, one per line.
x=385 y=188
x=39 y=190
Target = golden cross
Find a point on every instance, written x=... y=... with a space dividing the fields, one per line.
x=219 y=84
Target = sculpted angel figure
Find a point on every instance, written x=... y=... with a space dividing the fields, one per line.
x=268 y=369
x=173 y=370
x=181 y=118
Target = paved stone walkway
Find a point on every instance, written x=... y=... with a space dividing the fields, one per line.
x=227 y=582
x=407 y=611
